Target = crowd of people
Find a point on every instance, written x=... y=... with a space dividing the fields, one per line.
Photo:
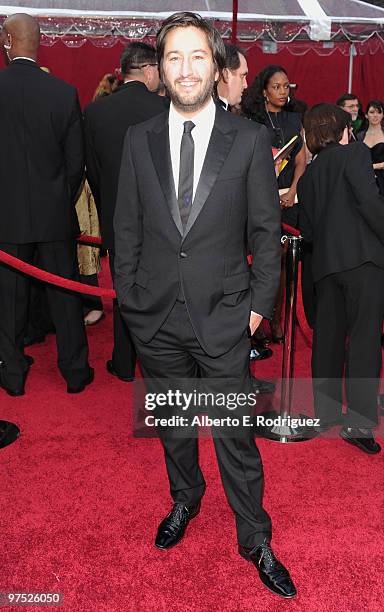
x=177 y=162
x=271 y=100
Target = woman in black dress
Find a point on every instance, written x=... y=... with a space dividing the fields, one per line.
x=373 y=137
x=267 y=101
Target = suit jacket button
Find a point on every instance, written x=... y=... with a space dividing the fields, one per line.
x=182 y=254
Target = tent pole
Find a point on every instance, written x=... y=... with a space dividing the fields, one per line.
x=352 y=53
x=235 y=10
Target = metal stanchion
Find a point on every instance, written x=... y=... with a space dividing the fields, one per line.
x=9 y=432
x=285 y=431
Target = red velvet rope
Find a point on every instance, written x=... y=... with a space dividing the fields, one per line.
x=53 y=279
x=97 y=241
x=89 y=239
x=71 y=285
x=290 y=230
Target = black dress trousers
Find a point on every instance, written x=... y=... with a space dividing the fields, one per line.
x=347 y=337
x=173 y=357
x=124 y=353
x=65 y=307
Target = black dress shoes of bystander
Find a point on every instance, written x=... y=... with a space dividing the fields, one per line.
x=81 y=386
x=15 y=391
x=362 y=438
x=259 y=351
x=111 y=369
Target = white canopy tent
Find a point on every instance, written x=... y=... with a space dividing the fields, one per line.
x=317 y=18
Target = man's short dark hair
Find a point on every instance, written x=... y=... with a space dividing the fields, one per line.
x=232 y=60
x=345 y=97
x=192 y=20
x=137 y=55
x=324 y=124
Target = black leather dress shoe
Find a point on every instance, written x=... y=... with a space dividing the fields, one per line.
x=259 y=351
x=13 y=392
x=362 y=438
x=17 y=391
x=111 y=370
x=262 y=386
x=272 y=573
x=9 y=432
x=172 y=528
x=79 y=388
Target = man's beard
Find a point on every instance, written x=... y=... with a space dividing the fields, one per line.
x=191 y=104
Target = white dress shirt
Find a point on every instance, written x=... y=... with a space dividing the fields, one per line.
x=22 y=57
x=225 y=102
x=201 y=135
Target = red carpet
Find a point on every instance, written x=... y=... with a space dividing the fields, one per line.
x=81 y=501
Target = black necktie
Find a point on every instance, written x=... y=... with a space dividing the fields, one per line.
x=187 y=153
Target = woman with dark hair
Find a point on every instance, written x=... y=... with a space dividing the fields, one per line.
x=342 y=215
x=267 y=101
x=373 y=137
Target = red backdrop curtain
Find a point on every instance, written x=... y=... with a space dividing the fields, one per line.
x=319 y=77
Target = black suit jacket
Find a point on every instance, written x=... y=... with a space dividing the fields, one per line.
x=42 y=162
x=236 y=204
x=106 y=122
x=341 y=210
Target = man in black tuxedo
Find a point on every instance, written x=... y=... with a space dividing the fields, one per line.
x=182 y=277
x=106 y=122
x=40 y=173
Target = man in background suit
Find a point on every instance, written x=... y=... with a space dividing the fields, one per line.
x=234 y=78
x=40 y=173
x=182 y=277
x=106 y=122
x=230 y=90
x=351 y=104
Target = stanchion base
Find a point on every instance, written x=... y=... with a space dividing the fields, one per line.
x=9 y=432
x=285 y=432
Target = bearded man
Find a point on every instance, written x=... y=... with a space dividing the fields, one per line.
x=197 y=187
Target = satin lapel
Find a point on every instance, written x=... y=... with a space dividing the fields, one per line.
x=159 y=148
x=219 y=146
